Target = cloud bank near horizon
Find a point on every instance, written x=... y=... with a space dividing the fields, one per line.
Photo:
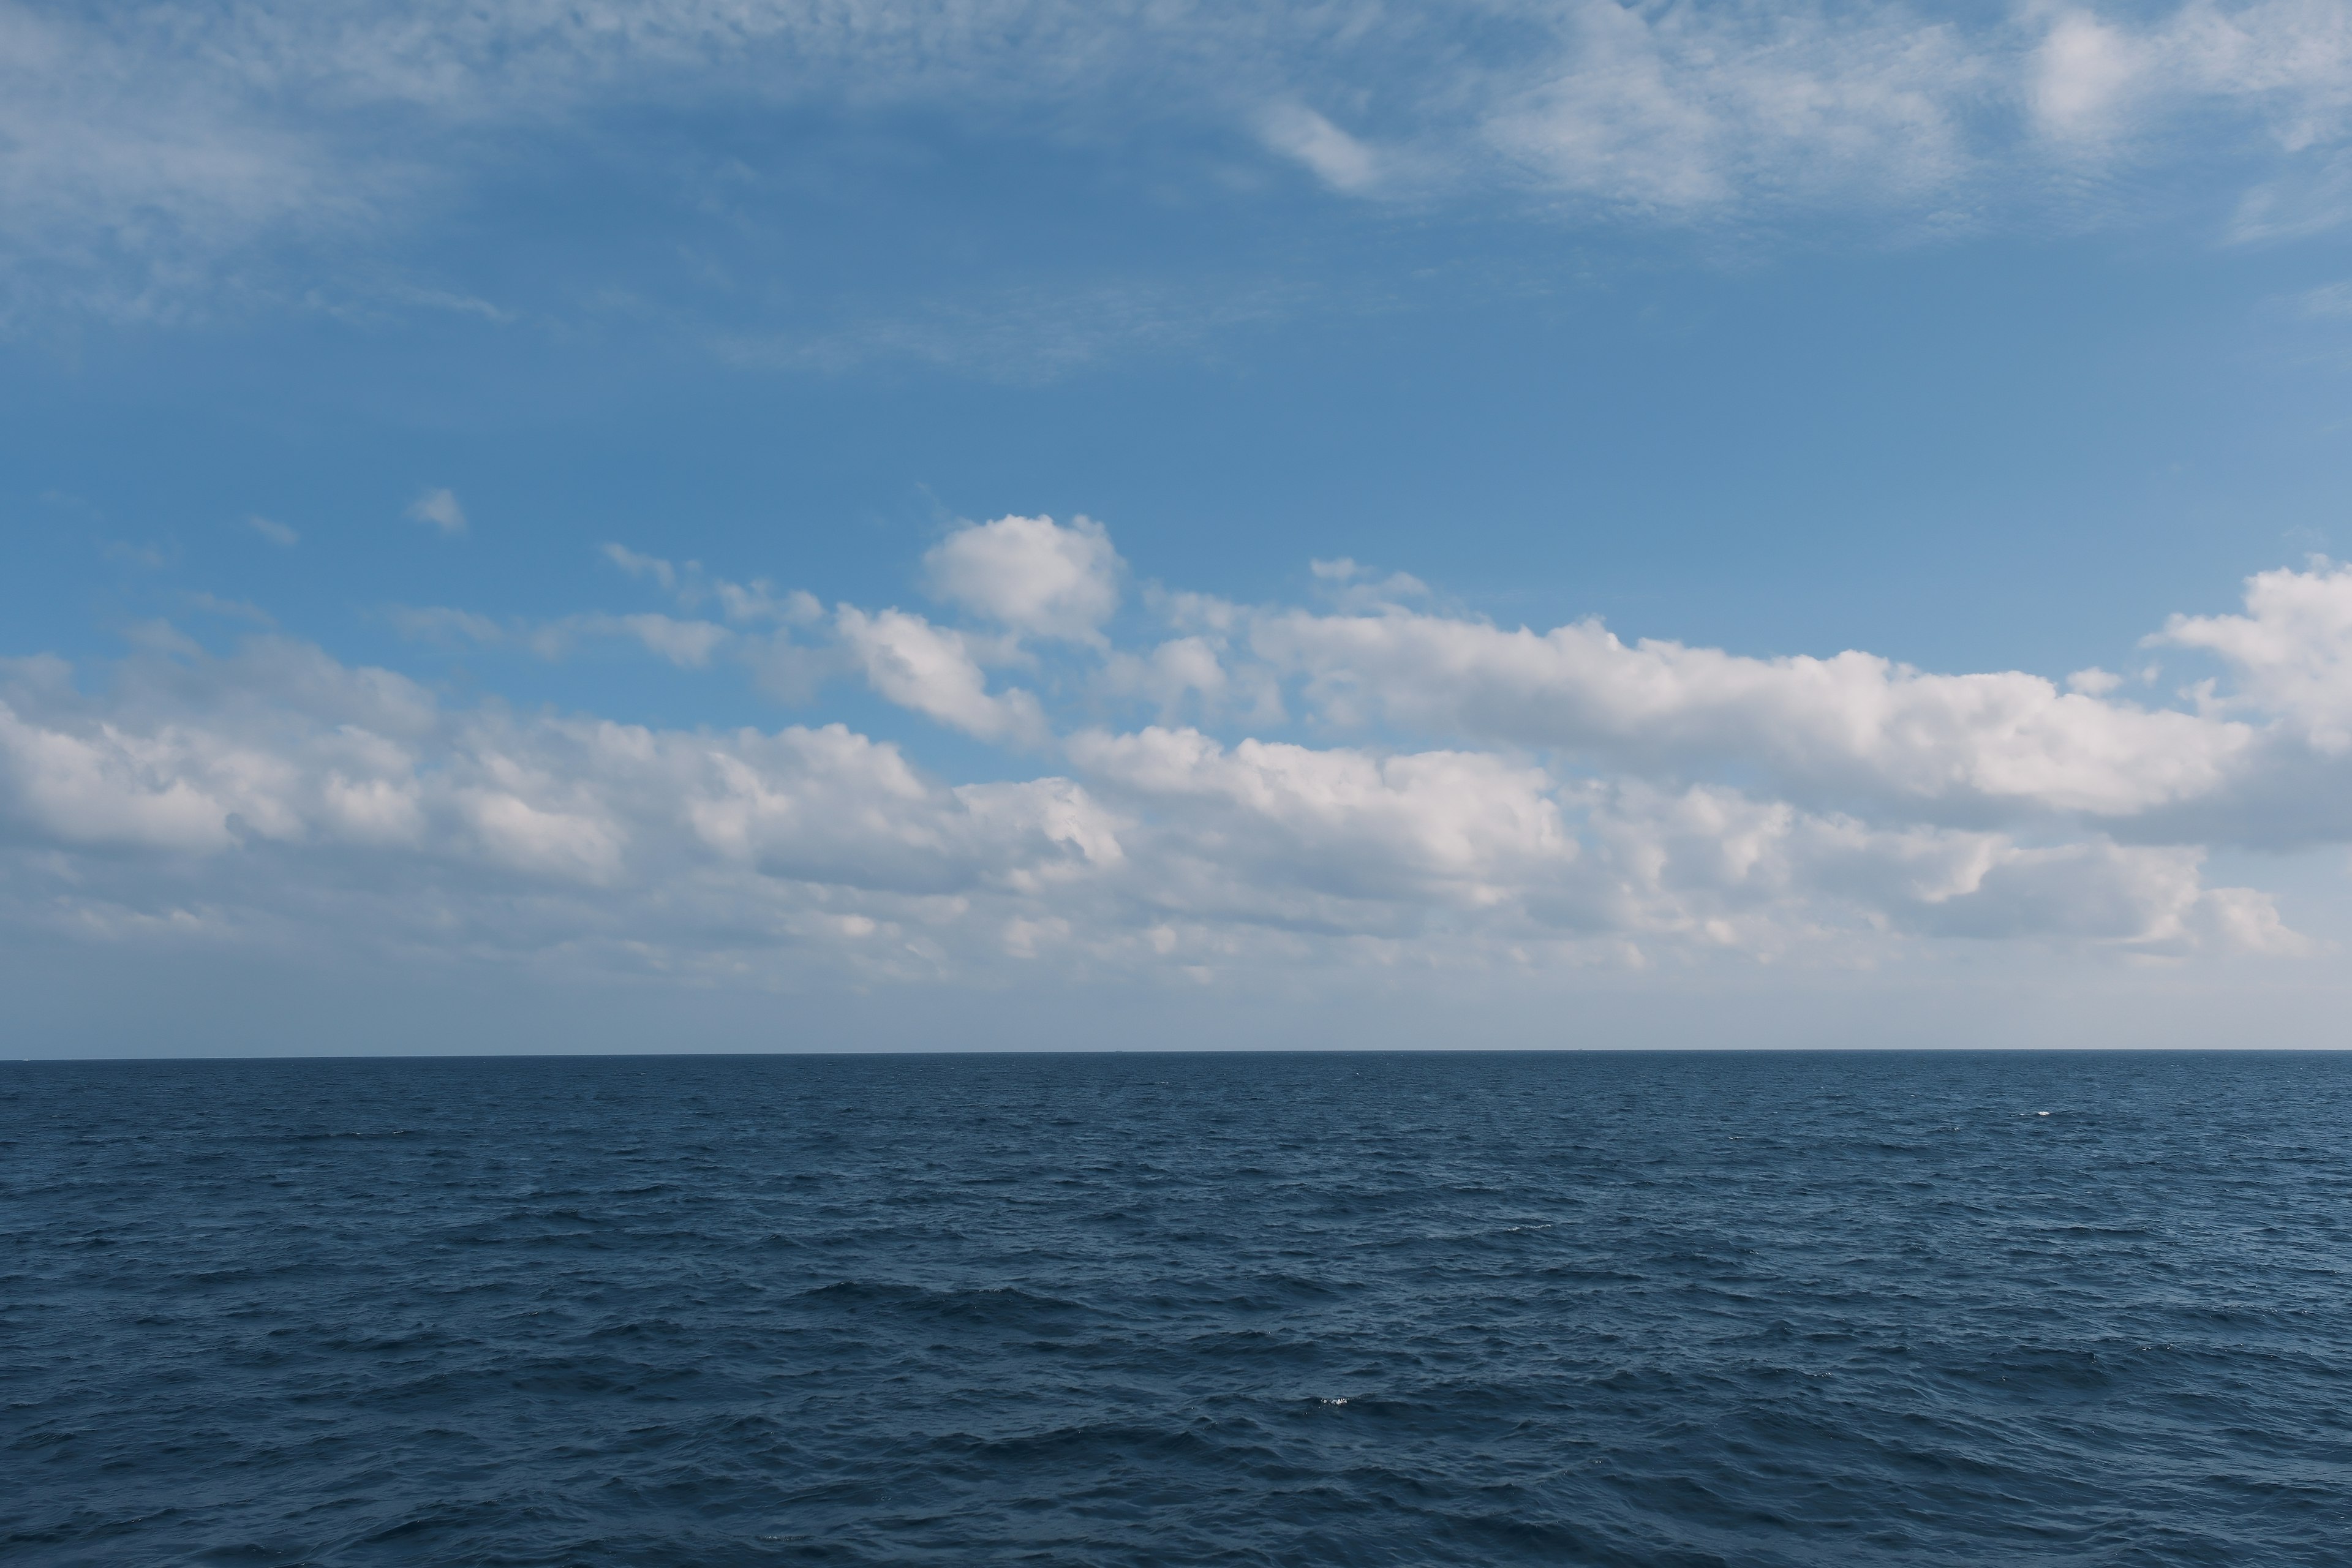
x=1184 y=786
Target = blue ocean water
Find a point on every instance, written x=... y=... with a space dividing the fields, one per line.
x=1411 y=1309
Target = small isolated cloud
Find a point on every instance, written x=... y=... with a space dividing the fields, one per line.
x=1333 y=156
x=146 y=557
x=445 y=627
x=229 y=609
x=275 y=532
x=440 y=509
x=2332 y=302
x=1030 y=574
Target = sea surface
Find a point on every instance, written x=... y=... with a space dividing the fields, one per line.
x=1808 y=1308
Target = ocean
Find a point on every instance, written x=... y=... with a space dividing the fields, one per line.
x=1629 y=1309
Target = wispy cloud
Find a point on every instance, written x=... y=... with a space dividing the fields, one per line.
x=1023 y=336
x=440 y=510
x=230 y=609
x=2333 y=301
x=686 y=643
x=692 y=587
x=1336 y=158
x=154 y=159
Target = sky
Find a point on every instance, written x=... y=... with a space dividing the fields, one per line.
x=715 y=525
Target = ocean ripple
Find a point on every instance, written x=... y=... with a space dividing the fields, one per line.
x=1767 y=1310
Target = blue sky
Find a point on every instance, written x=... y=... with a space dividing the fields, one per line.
x=461 y=463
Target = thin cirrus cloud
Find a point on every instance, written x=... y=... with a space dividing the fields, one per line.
x=1312 y=791
x=150 y=160
x=1336 y=158
x=693 y=587
x=688 y=644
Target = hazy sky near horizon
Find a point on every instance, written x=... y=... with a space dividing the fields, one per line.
x=709 y=524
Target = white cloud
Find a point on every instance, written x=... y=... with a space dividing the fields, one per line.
x=1179 y=671
x=1762 y=875
x=2290 y=654
x=647 y=566
x=931 y=670
x=1458 y=828
x=1592 y=802
x=2288 y=61
x=1853 y=729
x=440 y=509
x=742 y=852
x=686 y=643
x=141 y=776
x=2331 y=301
x=1336 y=158
x=1345 y=584
x=2083 y=73
x=105 y=787
x=759 y=600
x=516 y=833
x=344 y=802
x=1029 y=573
x=275 y=532
x=1352 y=840
x=1688 y=109
x=154 y=161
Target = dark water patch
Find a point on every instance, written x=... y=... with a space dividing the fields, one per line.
x=1637 y=1310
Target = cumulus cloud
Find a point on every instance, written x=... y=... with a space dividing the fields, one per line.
x=814 y=851
x=1180 y=672
x=931 y=669
x=1353 y=839
x=1030 y=574
x=1506 y=797
x=1457 y=827
x=278 y=748
x=2290 y=654
x=1853 y=729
